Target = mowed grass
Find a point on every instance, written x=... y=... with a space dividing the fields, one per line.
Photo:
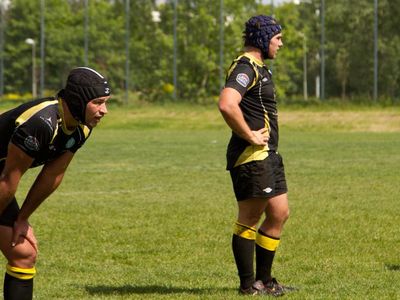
x=146 y=209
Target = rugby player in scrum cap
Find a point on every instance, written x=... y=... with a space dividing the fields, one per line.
x=44 y=132
x=248 y=105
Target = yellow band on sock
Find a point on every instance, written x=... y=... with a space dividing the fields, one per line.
x=20 y=273
x=266 y=242
x=244 y=231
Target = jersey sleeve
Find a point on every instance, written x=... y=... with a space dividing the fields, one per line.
x=32 y=136
x=241 y=78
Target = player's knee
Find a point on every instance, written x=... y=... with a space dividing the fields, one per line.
x=281 y=216
x=286 y=215
x=250 y=219
x=23 y=256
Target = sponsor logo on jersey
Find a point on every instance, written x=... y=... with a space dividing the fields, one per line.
x=47 y=121
x=243 y=79
x=31 y=143
x=70 y=143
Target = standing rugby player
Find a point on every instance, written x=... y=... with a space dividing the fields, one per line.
x=248 y=105
x=44 y=132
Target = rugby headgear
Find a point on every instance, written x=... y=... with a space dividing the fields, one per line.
x=259 y=31
x=83 y=85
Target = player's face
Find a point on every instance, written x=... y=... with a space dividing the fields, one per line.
x=95 y=110
x=274 y=45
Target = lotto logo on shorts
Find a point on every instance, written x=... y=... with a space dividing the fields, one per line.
x=243 y=79
x=267 y=190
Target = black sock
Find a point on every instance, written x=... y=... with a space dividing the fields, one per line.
x=265 y=252
x=17 y=289
x=243 y=250
x=243 y=241
x=264 y=259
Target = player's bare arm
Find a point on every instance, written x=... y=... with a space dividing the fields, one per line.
x=47 y=181
x=16 y=164
x=230 y=110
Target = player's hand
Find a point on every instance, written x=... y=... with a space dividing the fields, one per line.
x=260 y=137
x=23 y=231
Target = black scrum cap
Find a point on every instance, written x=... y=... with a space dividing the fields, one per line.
x=83 y=85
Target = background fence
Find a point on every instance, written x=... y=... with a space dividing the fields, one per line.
x=179 y=50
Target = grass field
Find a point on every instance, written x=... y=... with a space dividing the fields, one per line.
x=146 y=209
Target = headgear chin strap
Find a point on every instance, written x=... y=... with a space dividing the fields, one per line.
x=259 y=31
x=83 y=85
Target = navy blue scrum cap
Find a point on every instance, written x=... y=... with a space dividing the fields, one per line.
x=259 y=30
x=83 y=85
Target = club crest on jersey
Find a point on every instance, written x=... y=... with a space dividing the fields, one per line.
x=70 y=143
x=31 y=143
x=243 y=79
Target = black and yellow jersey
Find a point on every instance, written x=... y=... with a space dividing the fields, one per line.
x=38 y=129
x=253 y=80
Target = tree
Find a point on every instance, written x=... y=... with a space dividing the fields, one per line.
x=348 y=49
x=21 y=24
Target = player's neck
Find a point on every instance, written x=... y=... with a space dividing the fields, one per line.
x=254 y=52
x=69 y=120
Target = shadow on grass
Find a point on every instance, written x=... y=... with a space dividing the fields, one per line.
x=151 y=289
x=392 y=267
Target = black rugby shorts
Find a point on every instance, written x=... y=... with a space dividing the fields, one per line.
x=10 y=214
x=260 y=179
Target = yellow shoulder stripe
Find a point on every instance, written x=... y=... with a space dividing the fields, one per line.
x=33 y=110
x=253 y=62
x=86 y=130
x=253 y=59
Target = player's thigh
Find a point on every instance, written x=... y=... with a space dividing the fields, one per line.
x=250 y=210
x=278 y=207
x=22 y=255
